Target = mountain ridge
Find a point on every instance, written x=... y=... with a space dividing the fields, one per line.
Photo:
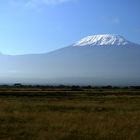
x=75 y=65
x=93 y=40
x=103 y=40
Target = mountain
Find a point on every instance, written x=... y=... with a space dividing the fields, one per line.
x=94 y=60
x=103 y=40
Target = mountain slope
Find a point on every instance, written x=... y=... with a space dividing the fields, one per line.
x=102 y=40
x=100 y=60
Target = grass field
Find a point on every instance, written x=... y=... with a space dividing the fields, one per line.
x=65 y=114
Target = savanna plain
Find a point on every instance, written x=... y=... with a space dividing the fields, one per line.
x=69 y=113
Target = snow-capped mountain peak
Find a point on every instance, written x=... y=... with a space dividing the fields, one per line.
x=103 y=40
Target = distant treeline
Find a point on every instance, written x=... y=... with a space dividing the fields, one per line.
x=19 y=85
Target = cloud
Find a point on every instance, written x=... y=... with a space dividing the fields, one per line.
x=111 y=20
x=115 y=20
x=36 y=3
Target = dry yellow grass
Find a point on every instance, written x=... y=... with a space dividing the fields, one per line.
x=89 y=118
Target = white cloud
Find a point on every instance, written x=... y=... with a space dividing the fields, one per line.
x=115 y=20
x=111 y=20
x=36 y=3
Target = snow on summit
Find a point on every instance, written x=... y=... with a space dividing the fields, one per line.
x=103 y=40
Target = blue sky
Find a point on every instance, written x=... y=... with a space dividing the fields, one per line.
x=38 y=26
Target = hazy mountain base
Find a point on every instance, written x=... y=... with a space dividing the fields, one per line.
x=98 y=65
x=63 y=114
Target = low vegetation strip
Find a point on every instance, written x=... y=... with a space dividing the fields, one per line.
x=67 y=92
